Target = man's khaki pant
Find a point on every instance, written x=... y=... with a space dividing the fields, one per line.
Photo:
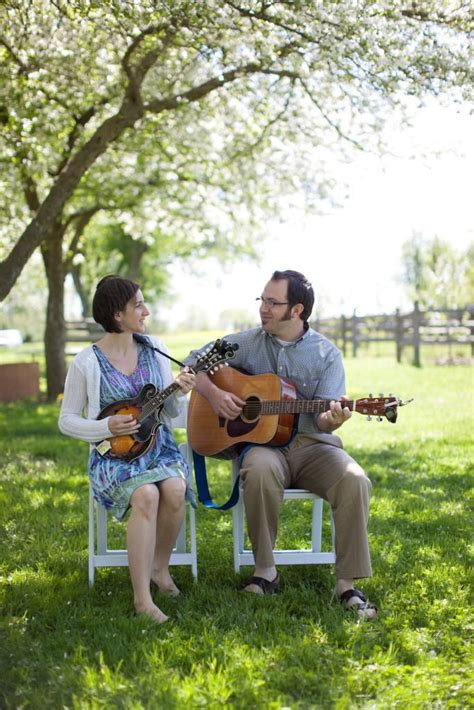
x=319 y=464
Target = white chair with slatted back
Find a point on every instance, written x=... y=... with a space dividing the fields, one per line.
x=311 y=556
x=100 y=555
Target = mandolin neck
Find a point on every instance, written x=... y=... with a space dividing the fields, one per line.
x=157 y=401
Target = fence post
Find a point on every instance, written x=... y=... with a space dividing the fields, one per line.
x=416 y=335
x=354 y=335
x=398 y=334
x=470 y=311
x=343 y=334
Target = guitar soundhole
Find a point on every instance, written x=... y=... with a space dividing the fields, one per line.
x=251 y=409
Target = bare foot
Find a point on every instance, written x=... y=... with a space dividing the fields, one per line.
x=152 y=611
x=165 y=584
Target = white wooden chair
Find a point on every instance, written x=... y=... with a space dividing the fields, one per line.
x=101 y=555
x=312 y=556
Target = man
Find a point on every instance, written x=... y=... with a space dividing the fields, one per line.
x=314 y=459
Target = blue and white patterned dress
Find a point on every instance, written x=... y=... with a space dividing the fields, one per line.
x=114 y=480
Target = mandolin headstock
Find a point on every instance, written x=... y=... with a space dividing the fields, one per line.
x=215 y=356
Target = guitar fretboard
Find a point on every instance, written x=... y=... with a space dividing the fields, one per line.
x=297 y=406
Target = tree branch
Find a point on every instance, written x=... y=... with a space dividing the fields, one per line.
x=24 y=69
x=333 y=125
x=82 y=220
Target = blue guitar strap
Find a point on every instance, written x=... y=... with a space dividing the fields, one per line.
x=202 y=486
x=204 y=494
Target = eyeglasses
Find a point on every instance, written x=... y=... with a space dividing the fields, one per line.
x=271 y=303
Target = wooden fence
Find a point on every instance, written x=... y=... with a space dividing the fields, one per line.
x=431 y=327
x=81 y=331
x=414 y=329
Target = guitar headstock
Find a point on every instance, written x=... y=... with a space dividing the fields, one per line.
x=379 y=407
x=216 y=356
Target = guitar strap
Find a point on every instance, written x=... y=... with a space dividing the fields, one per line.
x=143 y=341
x=202 y=486
x=204 y=494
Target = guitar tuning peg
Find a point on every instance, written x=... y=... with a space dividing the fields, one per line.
x=381 y=394
x=369 y=418
x=379 y=419
x=370 y=395
x=390 y=394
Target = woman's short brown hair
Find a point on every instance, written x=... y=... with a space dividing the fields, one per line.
x=111 y=295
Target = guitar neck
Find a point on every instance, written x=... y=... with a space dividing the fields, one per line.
x=300 y=406
x=157 y=401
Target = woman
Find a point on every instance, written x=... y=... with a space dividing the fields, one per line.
x=153 y=486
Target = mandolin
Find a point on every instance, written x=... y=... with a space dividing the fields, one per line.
x=268 y=416
x=146 y=407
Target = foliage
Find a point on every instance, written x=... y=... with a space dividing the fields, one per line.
x=65 y=645
x=436 y=275
x=102 y=103
x=184 y=122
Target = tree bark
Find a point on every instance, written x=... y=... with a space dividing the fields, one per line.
x=75 y=272
x=55 y=331
x=138 y=251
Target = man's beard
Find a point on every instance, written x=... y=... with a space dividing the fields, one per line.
x=287 y=315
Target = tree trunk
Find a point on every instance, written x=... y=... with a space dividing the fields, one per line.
x=55 y=331
x=85 y=303
x=138 y=251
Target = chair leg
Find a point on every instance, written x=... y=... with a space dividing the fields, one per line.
x=317 y=525
x=238 y=532
x=91 y=539
x=193 y=542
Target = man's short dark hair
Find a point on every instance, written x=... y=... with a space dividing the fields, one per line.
x=111 y=295
x=299 y=290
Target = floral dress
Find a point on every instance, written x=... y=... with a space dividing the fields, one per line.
x=114 y=480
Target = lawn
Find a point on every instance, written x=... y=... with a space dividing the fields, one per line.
x=65 y=645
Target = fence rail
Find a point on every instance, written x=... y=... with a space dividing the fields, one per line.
x=413 y=329
x=81 y=331
x=453 y=326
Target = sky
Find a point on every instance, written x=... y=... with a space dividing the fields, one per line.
x=352 y=255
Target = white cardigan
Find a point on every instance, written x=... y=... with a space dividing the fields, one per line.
x=81 y=402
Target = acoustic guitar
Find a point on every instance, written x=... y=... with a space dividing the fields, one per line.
x=268 y=416
x=146 y=407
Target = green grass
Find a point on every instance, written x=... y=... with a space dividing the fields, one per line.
x=65 y=645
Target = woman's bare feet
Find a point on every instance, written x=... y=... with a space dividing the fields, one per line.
x=164 y=582
x=152 y=611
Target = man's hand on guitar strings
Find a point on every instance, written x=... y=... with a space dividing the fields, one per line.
x=226 y=404
x=334 y=417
